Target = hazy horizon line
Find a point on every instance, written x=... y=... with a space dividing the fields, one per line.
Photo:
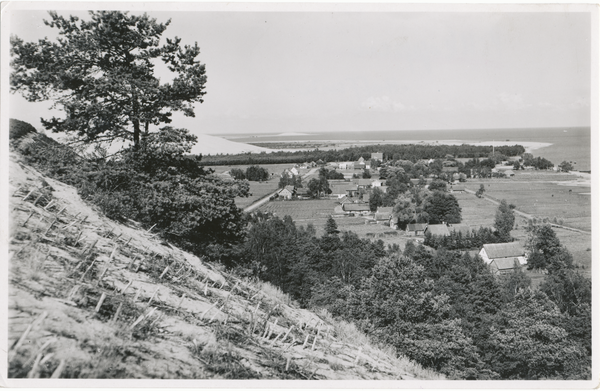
x=397 y=130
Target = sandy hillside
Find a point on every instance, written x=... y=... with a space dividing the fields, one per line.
x=90 y=298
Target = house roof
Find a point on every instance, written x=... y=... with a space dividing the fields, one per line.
x=462 y=228
x=506 y=263
x=382 y=216
x=385 y=209
x=504 y=250
x=438 y=229
x=356 y=207
x=416 y=227
x=363 y=182
x=342 y=188
x=449 y=169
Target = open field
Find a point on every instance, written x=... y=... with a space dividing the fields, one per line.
x=543 y=194
x=316 y=212
x=480 y=212
x=259 y=189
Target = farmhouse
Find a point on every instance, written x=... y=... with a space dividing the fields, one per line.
x=289 y=173
x=303 y=193
x=376 y=183
x=377 y=156
x=346 y=165
x=503 y=254
x=287 y=192
x=363 y=183
x=339 y=190
x=416 y=229
x=437 y=229
x=504 y=265
x=362 y=209
x=383 y=213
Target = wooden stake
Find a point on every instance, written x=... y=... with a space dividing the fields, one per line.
x=206 y=288
x=28 y=194
x=33 y=373
x=142 y=317
x=50 y=227
x=124 y=289
x=276 y=338
x=264 y=334
x=132 y=261
x=88 y=249
x=206 y=312
x=100 y=302
x=78 y=237
x=180 y=301
x=272 y=329
x=37 y=199
x=305 y=341
x=152 y=297
x=87 y=270
x=287 y=364
x=117 y=313
x=39 y=320
x=287 y=333
x=164 y=272
x=215 y=314
x=22 y=248
x=57 y=372
x=315 y=340
x=150 y=229
x=28 y=217
x=73 y=292
x=137 y=294
x=60 y=211
x=290 y=345
x=49 y=204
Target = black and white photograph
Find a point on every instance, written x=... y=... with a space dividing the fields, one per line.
x=299 y=195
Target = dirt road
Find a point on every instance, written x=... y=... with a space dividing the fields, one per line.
x=266 y=198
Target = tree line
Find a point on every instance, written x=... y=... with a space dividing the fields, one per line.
x=444 y=309
x=409 y=152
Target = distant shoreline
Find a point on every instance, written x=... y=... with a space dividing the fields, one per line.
x=529 y=146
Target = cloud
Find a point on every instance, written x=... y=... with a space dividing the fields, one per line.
x=384 y=104
x=512 y=101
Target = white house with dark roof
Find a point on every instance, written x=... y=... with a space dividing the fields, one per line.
x=502 y=256
x=287 y=192
x=416 y=228
x=362 y=209
x=437 y=229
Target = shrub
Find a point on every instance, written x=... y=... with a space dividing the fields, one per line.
x=18 y=129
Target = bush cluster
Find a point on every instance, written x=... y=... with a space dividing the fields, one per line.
x=457 y=241
x=156 y=184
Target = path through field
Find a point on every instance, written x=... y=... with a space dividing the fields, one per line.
x=267 y=197
x=528 y=216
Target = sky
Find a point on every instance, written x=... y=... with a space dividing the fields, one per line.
x=280 y=72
